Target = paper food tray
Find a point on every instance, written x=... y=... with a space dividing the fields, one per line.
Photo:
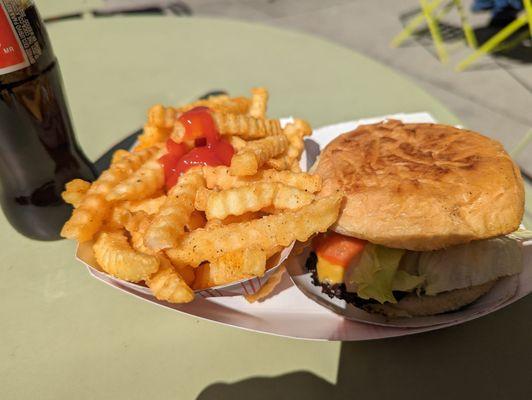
x=242 y=287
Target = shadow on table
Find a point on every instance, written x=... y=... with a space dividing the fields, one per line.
x=490 y=358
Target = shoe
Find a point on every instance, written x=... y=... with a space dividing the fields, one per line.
x=503 y=17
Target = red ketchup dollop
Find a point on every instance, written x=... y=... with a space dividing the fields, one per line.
x=209 y=148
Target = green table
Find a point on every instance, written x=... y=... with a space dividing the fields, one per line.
x=65 y=335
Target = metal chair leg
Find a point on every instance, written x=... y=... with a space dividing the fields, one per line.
x=522 y=145
x=469 y=33
x=528 y=11
x=512 y=43
x=493 y=42
x=434 y=31
x=413 y=24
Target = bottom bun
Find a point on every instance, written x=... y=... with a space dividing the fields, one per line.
x=413 y=305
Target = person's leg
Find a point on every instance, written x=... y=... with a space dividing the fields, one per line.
x=482 y=5
x=505 y=11
x=517 y=4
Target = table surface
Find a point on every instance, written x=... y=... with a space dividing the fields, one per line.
x=66 y=335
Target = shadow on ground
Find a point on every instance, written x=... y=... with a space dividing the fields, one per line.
x=490 y=358
x=517 y=47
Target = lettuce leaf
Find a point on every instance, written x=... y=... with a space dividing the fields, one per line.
x=405 y=282
x=382 y=270
x=373 y=276
x=470 y=264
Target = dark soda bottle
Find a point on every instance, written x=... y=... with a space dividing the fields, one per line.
x=38 y=150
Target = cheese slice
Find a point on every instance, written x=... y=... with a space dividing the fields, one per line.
x=329 y=272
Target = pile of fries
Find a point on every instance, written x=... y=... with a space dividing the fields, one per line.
x=217 y=224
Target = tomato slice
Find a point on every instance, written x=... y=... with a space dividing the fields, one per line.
x=198 y=123
x=338 y=249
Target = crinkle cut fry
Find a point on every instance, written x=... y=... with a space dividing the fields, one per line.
x=167 y=284
x=220 y=178
x=88 y=217
x=196 y=220
x=169 y=223
x=267 y=232
x=75 y=191
x=204 y=277
x=200 y=201
x=256 y=154
x=137 y=224
x=233 y=219
x=295 y=132
x=268 y=287
x=161 y=120
x=150 y=136
x=259 y=102
x=161 y=116
x=231 y=267
x=118 y=155
x=142 y=183
x=245 y=126
x=238 y=201
x=222 y=103
x=253 y=197
x=115 y=256
x=250 y=261
x=149 y=206
x=237 y=142
x=117 y=218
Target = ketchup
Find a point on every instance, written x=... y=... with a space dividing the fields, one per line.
x=198 y=123
x=209 y=148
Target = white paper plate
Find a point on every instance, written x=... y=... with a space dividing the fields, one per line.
x=288 y=312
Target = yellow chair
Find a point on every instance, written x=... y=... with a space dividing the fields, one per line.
x=431 y=13
x=494 y=43
x=522 y=145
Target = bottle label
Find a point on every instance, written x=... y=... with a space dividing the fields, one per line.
x=19 y=46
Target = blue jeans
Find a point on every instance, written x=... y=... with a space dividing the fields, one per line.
x=497 y=5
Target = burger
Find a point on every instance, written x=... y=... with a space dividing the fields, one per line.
x=424 y=224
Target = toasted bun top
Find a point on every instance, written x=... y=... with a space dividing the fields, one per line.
x=422 y=186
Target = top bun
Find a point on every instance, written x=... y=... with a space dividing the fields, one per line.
x=421 y=186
